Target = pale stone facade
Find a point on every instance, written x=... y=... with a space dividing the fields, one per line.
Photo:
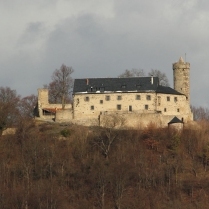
x=181 y=78
x=151 y=107
x=92 y=105
x=49 y=111
x=130 y=102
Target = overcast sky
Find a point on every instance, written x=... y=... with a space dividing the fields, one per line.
x=101 y=39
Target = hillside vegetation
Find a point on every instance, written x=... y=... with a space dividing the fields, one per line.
x=59 y=166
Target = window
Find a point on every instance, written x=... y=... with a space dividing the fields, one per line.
x=168 y=99
x=159 y=100
x=119 y=97
x=107 y=98
x=101 y=101
x=118 y=107
x=86 y=99
x=175 y=99
x=165 y=110
x=130 y=108
x=138 y=97
x=146 y=107
x=148 y=97
x=92 y=107
x=178 y=110
x=94 y=89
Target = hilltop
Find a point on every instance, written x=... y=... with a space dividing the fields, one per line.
x=49 y=165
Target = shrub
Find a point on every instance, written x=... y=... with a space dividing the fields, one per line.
x=65 y=132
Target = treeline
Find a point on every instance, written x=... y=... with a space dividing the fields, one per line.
x=52 y=166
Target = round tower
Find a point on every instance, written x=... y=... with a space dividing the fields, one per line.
x=181 y=78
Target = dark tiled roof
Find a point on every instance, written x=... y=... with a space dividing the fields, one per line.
x=175 y=120
x=167 y=90
x=139 y=84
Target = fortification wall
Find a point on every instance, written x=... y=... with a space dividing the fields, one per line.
x=63 y=115
x=92 y=105
x=137 y=120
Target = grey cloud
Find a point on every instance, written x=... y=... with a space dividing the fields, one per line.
x=32 y=33
x=142 y=34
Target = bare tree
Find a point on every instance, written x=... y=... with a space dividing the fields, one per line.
x=9 y=111
x=27 y=106
x=140 y=73
x=162 y=77
x=61 y=85
x=200 y=113
x=132 y=73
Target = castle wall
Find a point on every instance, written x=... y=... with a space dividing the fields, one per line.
x=169 y=104
x=90 y=105
x=136 y=120
x=176 y=126
x=63 y=115
x=43 y=104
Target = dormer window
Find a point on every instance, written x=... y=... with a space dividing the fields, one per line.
x=102 y=89
x=123 y=86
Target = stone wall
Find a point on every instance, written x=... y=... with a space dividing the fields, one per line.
x=63 y=115
x=136 y=120
x=181 y=77
x=58 y=114
x=176 y=126
x=93 y=105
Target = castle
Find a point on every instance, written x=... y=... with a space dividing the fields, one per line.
x=129 y=102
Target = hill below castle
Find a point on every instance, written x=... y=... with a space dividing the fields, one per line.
x=49 y=165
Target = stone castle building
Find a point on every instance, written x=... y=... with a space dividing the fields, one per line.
x=130 y=102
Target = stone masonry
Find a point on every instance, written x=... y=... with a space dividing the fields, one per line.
x=130 y=102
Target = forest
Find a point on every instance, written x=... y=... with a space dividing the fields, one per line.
x=58 y=166
x=48 y=165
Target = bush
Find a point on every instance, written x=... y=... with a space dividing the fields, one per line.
x=65 y=132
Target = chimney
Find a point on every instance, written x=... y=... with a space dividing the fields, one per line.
x=152 y=79
x=87 y=81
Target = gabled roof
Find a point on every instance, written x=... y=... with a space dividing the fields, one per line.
x=132 y=84
x=175 y=120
